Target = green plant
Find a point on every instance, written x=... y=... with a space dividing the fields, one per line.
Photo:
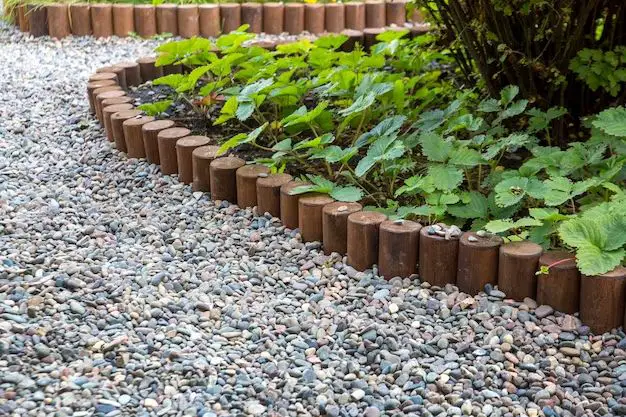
x=366 y=126
x=601 y=70
x=531 y=43
x=156 y=108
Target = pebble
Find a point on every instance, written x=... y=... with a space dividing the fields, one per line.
x=123 y=292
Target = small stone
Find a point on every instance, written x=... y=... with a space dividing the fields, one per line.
x=76 y=307
x=358 y=394
x=543 y=311
x=393 y=308
x=150 y=403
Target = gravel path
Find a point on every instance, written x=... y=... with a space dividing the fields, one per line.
x=124 y=294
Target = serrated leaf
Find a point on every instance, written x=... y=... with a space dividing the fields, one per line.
x=527 y=222
x=228 y=111
x=244 y=110
x=315 y=142
x=430 y=120
x=466 y=157
x=445 y=177
x=434 y=147
x=510 y=191
x=301 y=115
x=508 y=94
x=172 y=80
x=476 y=208
x=591 y=260
x=387 y=127
x=241 y=138
x=283 y=145
x=499 y=226
x=364 y=165
x=612 y=121
x=514 y=109
x=414 y=184
x=347 y=194
x=490 y=105
x=360 y=103
x=156 y=108
x=546 y=214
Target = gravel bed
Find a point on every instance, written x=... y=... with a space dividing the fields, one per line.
x=122 y=293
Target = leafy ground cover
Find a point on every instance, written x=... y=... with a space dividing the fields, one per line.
x=397 y=128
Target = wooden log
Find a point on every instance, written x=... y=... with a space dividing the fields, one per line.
x=117 y=125
x=518 y=263
x=363 y=232
x=398 y=248
x=134 y=137
x=268 y=193
x=335 y=226
x=201 y=159
x=478 y=262
x=224 y=178
x=289 y=204
x=310 y=216
x=560 y=287
x=150 y=133
x=167 y=139
x=603 y=300
x=438 y=258
x=247 y=177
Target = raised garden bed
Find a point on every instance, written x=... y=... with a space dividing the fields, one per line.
x=442 y=254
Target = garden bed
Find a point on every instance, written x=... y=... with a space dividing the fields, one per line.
x=441 y=253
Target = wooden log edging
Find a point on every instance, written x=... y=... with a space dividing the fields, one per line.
x=104 y=20
x=473 y=262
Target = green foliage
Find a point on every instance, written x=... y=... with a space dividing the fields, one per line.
x=157 y=108
x=322 y=185
x=599 y=237
x=599 y=69
x=534 y=45
x=388 y=129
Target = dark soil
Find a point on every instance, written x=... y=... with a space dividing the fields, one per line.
x=185 y=115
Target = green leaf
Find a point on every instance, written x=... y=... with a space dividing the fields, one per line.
x=415 y=184
x=547 y=214
x=508 y=94
x=172 y=80
x=303 y=116
x=241 y=138
x=332 y=42
x=244 y=110
x=499 y=226
x=503 y=225
x=510 y=191
x=445 y=177
x=156 y=108
x=347 y=194
x=592 y=260
x=476 y=208
x=612 y=121
x=490 y=105
x=283 y=145
x=192 y=78
x=360 y=103
x=228 y=111
x=387 y=127
x=514 y=109
x=430 y=120
x=256 y=87
x=434 y=147
x=466 y=157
